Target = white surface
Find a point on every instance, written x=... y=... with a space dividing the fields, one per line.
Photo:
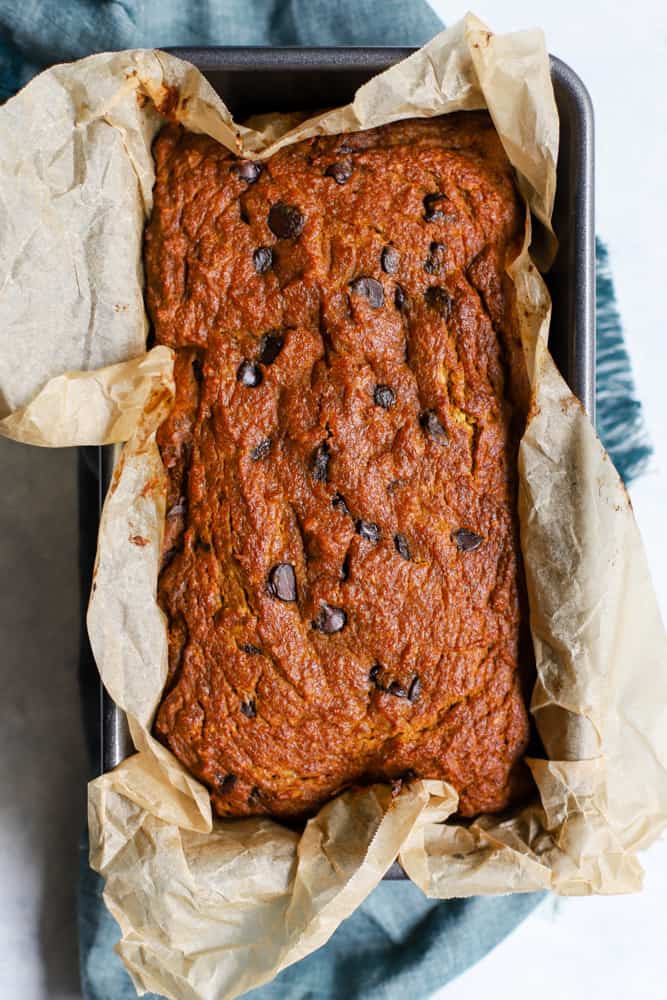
x=602 y=947
x=612 y=948
x=42 y=760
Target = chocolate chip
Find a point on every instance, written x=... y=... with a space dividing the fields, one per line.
x=369 y=288
x=433 y=427
x=345 y=568
x=369 y=530
x=374 y=675
x=270 y=347
x=261 y=450
x=179 y=508
x=282 y=582
x=384 y=396
x=397 y=690
x=390 y=258
x=197 y=370
x=225 y=782
x=249 y=374
x=466 y=541
x=399 y=298
x=247 y=170
x=330 y=619
x=341 y=171
x=439 y=299
x=338 y=503
x=249 y=709
x=255 y=796
x=262 y=258
x=402 y=547
x=434 y=261
x=251 y=650
x=320 y=462
x=433 y=206
x=286 y=221
x=415 y=688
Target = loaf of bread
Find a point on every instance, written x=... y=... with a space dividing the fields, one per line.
x=342 y=577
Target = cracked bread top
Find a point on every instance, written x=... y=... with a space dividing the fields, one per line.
x=342 y=578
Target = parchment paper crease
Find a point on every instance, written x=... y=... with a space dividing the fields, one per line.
x=211 y=909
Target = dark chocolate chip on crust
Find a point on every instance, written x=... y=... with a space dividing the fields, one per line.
x=225 y=782
x=286 y=221
x=262 y=258
x=434 y=261
x=341 y=171
x=384 y=396
x=249 y=708
x=439 y=299
x=320 y=462
x=338 y=503
x=249 y=374
x=415 y=688
x=270 y=347
x=250 y=649
x=330 y=619
x=390 y=259
x=397 y=689
x=431 y=424
x=374 y=674
x=368 y=530
x=282 y=582
x=247 y=170
x=434 y=206
x=466 y=541
x=399 y=298
x=402 y=547
x=261 y=450
x=370 y=289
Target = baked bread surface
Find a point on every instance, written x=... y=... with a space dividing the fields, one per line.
x=342 y=579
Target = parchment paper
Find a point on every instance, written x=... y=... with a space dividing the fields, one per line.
x=210 y=909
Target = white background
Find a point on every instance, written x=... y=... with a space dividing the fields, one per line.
x=612 y=948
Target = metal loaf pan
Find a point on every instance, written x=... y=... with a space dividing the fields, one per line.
x=257 y=80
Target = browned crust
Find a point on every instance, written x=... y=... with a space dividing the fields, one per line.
x=282 y=729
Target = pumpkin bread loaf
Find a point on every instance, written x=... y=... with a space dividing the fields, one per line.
x=341 y=574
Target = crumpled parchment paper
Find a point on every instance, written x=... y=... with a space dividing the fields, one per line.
x=209 y=909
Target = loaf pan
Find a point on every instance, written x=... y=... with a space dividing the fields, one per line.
x=257 y=80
